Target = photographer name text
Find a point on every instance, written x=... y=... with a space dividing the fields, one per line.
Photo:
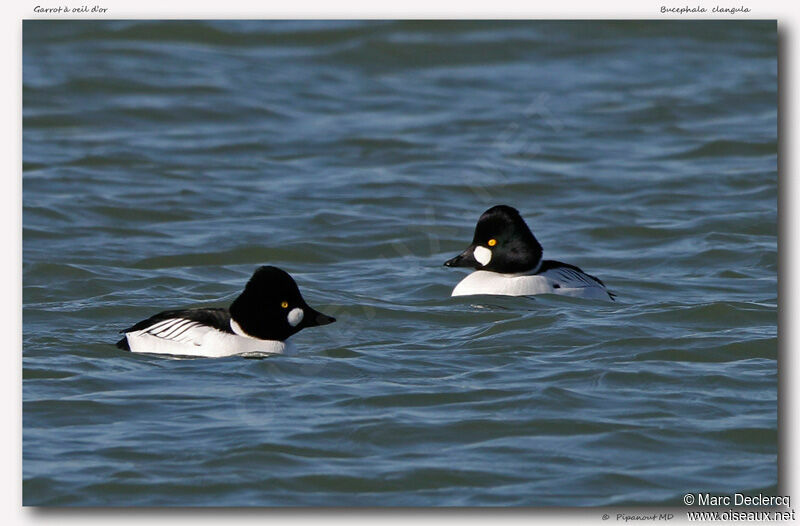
x=737 y=499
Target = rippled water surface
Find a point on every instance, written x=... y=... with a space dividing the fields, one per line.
x=165 y=161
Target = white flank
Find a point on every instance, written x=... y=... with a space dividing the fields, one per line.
x=554 y=281
x=181 y=337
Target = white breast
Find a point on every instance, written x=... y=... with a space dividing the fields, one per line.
x=549 y=282
x=176 y=337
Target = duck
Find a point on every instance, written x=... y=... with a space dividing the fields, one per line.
x=507 y=259
x=257 y=323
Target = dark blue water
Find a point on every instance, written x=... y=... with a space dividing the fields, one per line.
x=165 y=161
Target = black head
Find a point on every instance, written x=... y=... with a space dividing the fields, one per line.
x=502 y=243
x=271 y=307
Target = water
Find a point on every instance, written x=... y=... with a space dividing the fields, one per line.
x=165 y=161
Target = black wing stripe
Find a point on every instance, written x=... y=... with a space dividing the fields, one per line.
x=568 y=273
x=584 y=278
x=574 y=278
x=157 y=326
x=184 y=329
x=565 y=277
x=190 y=336
x=163 y=322
x=557 y=268
x=164 y=328
x=168 y=333
x=176 y=330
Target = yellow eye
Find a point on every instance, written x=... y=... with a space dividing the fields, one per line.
x=492 y=242
x=285 y=304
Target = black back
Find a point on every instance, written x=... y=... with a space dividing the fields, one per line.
x=214 y=317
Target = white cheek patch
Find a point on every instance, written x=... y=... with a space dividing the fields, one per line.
x=295 y=316
x=483 y=255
